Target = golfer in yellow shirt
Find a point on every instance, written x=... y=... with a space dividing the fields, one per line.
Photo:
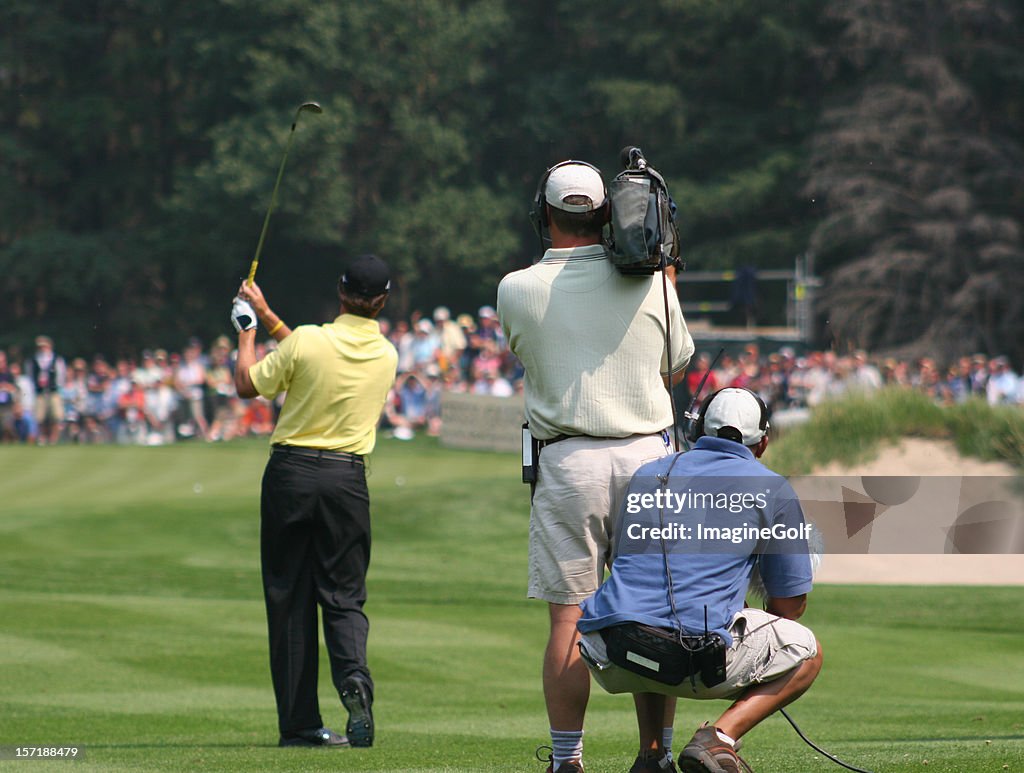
x=315 y=508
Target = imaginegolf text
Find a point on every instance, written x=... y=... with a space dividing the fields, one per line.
x=733 y=534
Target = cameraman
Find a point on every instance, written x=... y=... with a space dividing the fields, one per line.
x=682 y=582
x=593 y=346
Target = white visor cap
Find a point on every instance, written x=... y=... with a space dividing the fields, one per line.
x=574 y=179
x=735 y=408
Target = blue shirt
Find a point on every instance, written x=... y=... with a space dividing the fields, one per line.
x=413 y=399
x=715 y=511
x=6 y=395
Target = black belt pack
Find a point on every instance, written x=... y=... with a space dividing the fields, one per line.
x=665 y=656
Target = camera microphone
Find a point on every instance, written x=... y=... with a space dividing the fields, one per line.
x=632 y=157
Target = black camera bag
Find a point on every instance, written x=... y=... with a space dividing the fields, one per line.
x=663 y=656
x=642 y=233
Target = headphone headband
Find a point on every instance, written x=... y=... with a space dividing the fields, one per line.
x=762 y=425
x=538 y=213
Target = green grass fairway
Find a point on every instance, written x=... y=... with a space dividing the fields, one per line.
x=133 y=626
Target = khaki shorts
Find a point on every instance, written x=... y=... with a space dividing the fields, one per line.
x=49 y=406
x=764 y=647
x=581 y=483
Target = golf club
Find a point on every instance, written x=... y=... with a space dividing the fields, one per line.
x=312 y=107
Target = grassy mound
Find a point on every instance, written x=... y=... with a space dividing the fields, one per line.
x=852 y=430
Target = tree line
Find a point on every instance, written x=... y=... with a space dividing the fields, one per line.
x=139 y=143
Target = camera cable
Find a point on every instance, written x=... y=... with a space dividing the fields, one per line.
x=818 y=749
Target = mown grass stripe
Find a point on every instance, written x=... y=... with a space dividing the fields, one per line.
x=131 y=621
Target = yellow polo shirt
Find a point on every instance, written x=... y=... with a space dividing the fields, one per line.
x=337 y=377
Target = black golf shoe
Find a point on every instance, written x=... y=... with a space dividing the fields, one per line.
x=358 y=701
x=308 y=738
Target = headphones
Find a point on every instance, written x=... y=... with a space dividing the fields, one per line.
x=538 y=213
x=696 y=429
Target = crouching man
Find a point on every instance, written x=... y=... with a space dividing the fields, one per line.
x=671 y=619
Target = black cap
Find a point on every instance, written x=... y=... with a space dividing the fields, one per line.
x=367 y=275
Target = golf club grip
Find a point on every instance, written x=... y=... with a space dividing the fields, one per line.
x=252 y=271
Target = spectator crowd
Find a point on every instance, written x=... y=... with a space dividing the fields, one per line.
x=161 y=397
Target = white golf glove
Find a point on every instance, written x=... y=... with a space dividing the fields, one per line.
x=242 y=315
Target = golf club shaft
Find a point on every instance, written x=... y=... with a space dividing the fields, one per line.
x=273 y=203
x=314 y=107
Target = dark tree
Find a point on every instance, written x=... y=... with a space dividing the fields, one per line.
x=924 y=186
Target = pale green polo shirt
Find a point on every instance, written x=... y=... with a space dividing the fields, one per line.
x=337 y=377
x=593 y=344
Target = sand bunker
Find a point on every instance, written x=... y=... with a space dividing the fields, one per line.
x=914 y=456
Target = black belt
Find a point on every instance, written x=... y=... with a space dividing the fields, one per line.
x=560 y=438
x=317 y=453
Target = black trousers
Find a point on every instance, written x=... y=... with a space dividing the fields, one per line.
x=315 y=549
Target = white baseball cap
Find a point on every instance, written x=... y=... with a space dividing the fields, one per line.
x=574 y=179
x=737 y=408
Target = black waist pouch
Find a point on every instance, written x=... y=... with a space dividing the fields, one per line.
x=663 y=655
